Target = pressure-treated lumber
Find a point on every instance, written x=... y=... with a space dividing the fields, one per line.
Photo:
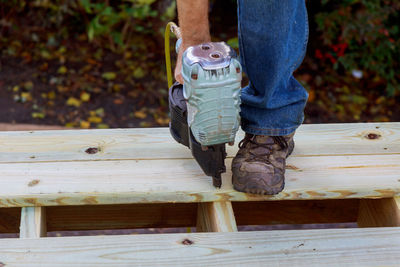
x=339 y=247
x=146 y=166
x=33 y=222
x=150 y=181
x=157 y=143
x=336 y=173
x=379 y=212
x=216 y=217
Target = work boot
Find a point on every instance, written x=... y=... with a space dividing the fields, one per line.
x=259 y=165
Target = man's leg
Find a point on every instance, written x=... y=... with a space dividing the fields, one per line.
x=272 y=38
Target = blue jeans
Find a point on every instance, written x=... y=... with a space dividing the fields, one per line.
x=273 y=37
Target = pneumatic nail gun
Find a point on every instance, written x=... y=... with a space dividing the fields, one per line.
x=205 y=109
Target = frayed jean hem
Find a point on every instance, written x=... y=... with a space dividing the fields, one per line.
x=270 y=132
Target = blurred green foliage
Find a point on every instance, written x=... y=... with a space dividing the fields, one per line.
x=363 y=37
x=115 y=21
x=84 y=56
x=106 y=20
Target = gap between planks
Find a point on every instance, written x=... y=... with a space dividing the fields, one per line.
x=164 y=215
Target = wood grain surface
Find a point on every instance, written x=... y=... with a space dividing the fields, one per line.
x=157 y=143
x=216 y=217
x=379 y=212
x=33 y=222
x=339 y=247
x=331 y=161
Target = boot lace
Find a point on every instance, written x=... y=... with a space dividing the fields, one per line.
x=251 y=139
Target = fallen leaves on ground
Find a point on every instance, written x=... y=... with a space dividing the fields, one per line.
x=72 y=101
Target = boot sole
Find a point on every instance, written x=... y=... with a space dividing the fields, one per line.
x=245 y=188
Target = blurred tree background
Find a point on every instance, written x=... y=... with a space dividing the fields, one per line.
x=100 y=64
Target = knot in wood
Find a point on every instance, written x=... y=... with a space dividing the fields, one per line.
x=187 y=242
x=373 y=136
x=92 y=150
x=32 y=183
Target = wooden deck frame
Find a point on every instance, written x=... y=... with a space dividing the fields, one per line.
x=81 y=180
x=166 y=215
x=73 y=167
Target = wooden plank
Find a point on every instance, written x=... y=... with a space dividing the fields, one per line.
x=296 y=211
x=183 y=181
x=347 y=139
x=339 y=247
x=152 y=181
x=158 y=215
x=156 y=143
x=379 y=212
x=10 y=220
x=216 y=217
x=33 y=222
x=71 y=145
